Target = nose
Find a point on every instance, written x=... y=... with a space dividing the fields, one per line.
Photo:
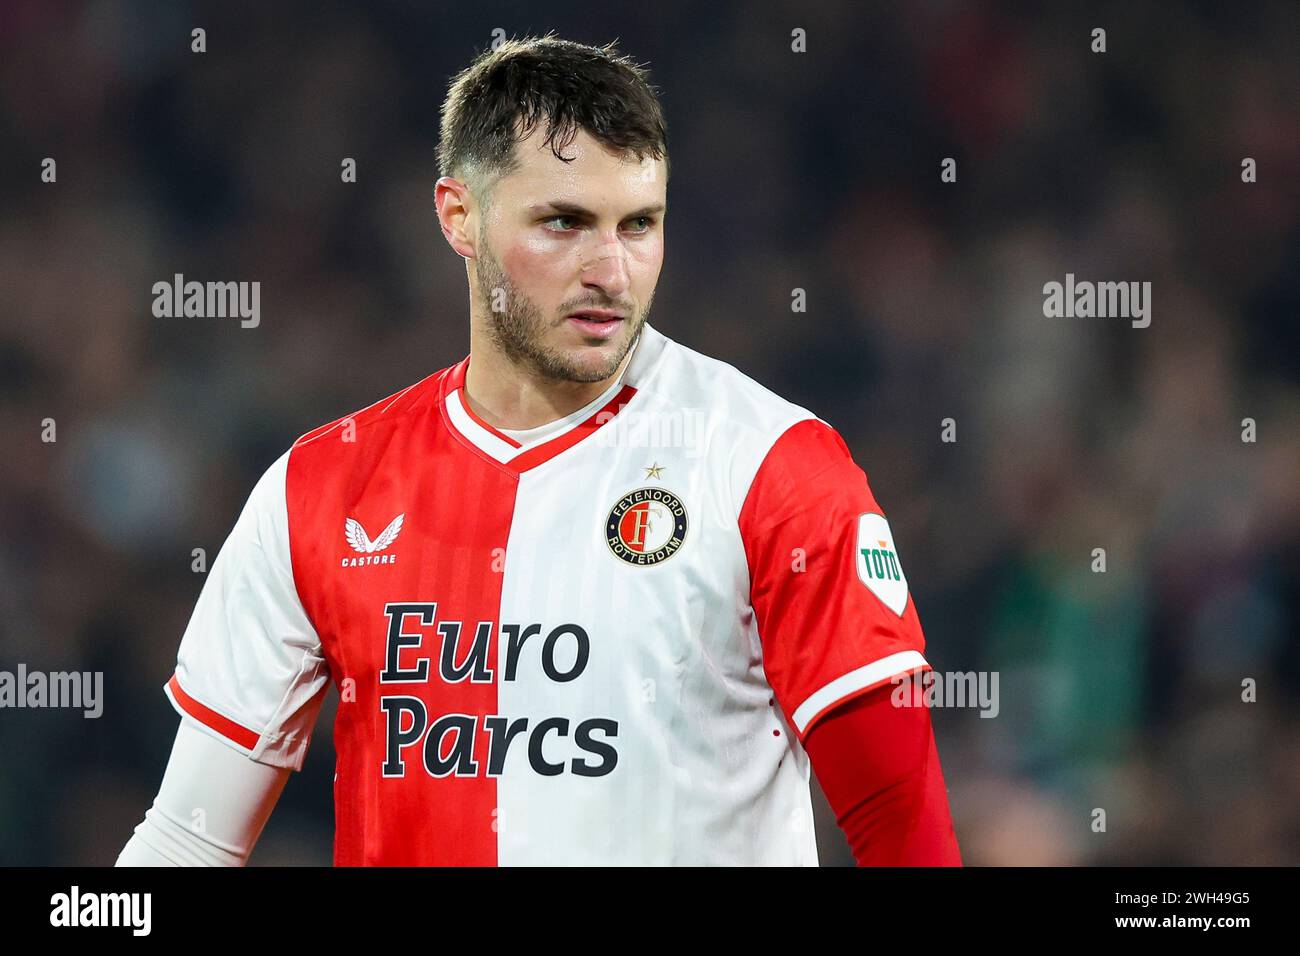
x=605 y=268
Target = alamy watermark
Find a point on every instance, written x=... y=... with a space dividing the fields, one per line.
x=80 y=690
x=129 y=910
x=1102 y=300
x=951 y=689
x=208 y=300
x=681 y=428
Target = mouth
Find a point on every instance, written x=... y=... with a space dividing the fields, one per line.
x=597 y=323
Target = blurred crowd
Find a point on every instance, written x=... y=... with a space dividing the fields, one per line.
x=1120 y=691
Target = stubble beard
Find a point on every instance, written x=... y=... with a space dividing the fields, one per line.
x=519 y=329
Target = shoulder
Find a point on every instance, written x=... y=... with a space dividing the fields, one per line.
x=392 y=411
x=742 y=408
x=747 y=429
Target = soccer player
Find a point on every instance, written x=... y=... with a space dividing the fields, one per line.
x=587 y=596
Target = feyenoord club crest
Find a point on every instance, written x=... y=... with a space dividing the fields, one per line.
x=646 y=526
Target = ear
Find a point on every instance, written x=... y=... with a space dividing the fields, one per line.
x=456 y=213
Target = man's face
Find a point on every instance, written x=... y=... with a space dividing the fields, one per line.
x=563 y=238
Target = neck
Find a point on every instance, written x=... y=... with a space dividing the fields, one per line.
x=507 y=396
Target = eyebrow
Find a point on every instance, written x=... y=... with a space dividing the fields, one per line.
x=573 y=209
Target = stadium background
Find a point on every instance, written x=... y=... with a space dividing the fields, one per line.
x=817 y=171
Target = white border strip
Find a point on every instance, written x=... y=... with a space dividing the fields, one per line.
x=854 y=680
x=476 y=433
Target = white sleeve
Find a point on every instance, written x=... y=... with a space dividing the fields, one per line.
x=250 y=671
x=210 y=809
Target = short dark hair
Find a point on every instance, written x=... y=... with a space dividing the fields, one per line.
x=500 y=97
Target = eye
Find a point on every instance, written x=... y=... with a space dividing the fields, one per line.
x=568 y=219
x=648 y=220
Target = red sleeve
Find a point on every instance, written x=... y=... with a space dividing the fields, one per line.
x=878 y=766
x=830 y=600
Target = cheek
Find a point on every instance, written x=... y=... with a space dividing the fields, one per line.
x=534 y=267
x=647 y=259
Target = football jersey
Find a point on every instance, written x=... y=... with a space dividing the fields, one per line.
x=602 y=646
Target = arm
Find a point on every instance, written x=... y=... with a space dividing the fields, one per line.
x=837 y=625
x=879 y=768
x=250 y=678
x=210 y=809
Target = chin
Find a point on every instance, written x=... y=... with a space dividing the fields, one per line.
x=595 y=356
x=593 y=369
x=591 y=363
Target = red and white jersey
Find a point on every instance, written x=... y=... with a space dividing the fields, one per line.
x=600 y=645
